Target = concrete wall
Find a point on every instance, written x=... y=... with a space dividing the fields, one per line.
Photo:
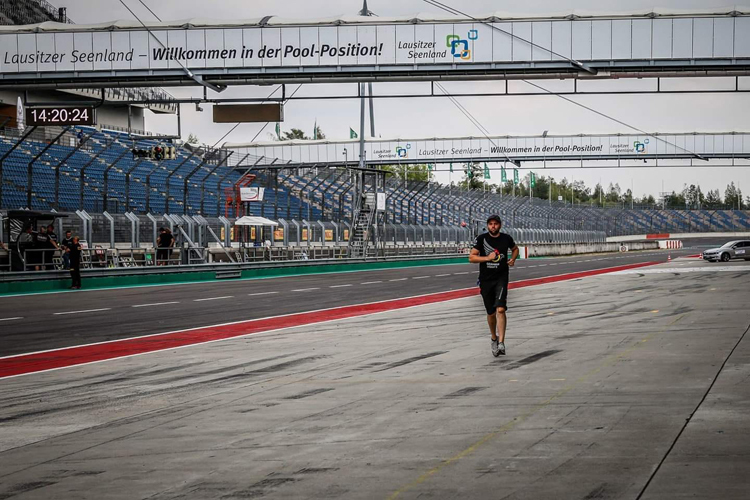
x=577 y=248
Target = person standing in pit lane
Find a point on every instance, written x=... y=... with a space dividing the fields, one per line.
x=490 y=251
x=75 y=250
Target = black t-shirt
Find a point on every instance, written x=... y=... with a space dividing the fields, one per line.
x=42 y=240
x=165 y=240
x=75 y=255
x=52 y=238
x=67 y=243
x=486 y=244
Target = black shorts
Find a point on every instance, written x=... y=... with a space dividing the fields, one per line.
x=495 y=294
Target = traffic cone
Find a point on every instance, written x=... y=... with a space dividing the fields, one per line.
x=669 y=257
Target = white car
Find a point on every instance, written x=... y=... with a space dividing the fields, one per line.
x=728 y=251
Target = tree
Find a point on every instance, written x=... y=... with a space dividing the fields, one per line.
x=419 y=173
x=713 y=199
x=732 y=196
x=649 y=200
x=674 y=200
x=693 y=196
x=320 y=134
x=613 y=195
x=473 y=176
x=598 y=194
x=628 y=197
x=294 y=134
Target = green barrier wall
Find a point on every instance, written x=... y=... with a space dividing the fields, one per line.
x=134 y=280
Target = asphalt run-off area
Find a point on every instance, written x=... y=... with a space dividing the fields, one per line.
x=625 y=377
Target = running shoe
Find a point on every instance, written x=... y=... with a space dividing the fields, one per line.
x=501 y=348
x=496 y=348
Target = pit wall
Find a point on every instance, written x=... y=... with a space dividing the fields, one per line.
x=667 y=236
x=579 y=248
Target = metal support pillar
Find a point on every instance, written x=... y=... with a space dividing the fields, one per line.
x=56 y=168
x=82 y=178
x=111 y=221
x=30 y=170
x=105 y=198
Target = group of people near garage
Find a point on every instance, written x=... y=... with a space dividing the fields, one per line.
x=37 y=250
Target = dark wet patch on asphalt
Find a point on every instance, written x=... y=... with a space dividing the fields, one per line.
x=406 y=361
x=464 y=392
x=532 y=359
x=307 y=394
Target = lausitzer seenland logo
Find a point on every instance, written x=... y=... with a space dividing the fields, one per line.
x=459 y=47
x=403 y=152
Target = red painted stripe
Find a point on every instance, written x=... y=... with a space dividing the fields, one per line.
x=71 y=356
x=662 y=236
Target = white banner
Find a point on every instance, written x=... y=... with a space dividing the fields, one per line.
x=501 y=148
x=112 y=47
x=252 y=193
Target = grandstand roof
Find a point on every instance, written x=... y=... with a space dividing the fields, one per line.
x=274 y=21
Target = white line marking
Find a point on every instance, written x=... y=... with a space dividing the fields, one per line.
x=467 y=272
x=423 y=277
x=157 y=304
x=529 y=267
x=542 y=265
x=305 y=289
x=370 y=282
x=21 y=317
x=84 y=311
x=338 y=286
x=441 y=275
x=214 y=298
x=260 y=293
x=400 y=279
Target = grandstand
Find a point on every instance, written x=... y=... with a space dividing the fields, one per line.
x=94 y=170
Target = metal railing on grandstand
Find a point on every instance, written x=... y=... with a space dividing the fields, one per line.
x=117 y=241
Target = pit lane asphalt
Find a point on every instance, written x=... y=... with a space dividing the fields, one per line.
x=48 y=321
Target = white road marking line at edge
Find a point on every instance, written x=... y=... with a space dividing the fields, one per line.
x=421 y=277
x=370 y=282
x=338 y=286
x=84 y=311
x=399 y=279
x=157 y=304
x=260 y=293
x=467 y=272
x=305 y=289
x=214 y=298
x=11 y=319
x=441 y=275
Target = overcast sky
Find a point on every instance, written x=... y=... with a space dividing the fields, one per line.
x=432 y=117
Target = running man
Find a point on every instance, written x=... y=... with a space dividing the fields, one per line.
x=490 y=251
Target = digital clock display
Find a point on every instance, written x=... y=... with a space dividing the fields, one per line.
x=61 y=115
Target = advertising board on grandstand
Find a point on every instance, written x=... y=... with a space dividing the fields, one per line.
x=252 y=193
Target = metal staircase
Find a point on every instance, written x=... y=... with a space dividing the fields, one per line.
x=361 y=226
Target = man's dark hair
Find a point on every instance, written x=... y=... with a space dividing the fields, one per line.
x=68 y=231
